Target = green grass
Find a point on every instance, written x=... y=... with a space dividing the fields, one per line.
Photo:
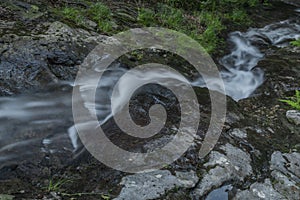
x=239 y=17
x=202 y=20
x=294 y=101
x=73 y=14
x=56 y=186
x=102 y=15
x=146 y=17
x=96 y=12
x=175 y=19
x=209 y=39
x=296 y=43
x=171 y=17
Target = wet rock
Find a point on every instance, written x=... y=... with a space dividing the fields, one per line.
x=259 y=191
x=288 y=164
x=154 y=184
x=285 y=186
x=238 y=133
x=286 y=173
x=232 y=117
x=187 y=179
x=30 y=62
x=293 y=116
x=234 y=164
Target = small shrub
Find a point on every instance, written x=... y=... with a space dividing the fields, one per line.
x=294 y=101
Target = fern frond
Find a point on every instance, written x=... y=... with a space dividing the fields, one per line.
x=294 y=101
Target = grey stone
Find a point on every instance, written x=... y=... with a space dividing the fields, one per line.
x=238 y=133
x=286 y=173
x=259 y=191
x=39 y=60
x=187 y=179
x=233 y=165
x=293 y=116
x=232 y=117
x=285 y=186
x=288 y=164
x=285 y=170
x=152 y=185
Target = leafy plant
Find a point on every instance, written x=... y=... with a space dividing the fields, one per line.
x=296 y=43
x=56 y=186
x=294 y=101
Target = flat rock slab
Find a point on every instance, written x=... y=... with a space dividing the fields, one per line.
x=154 y=184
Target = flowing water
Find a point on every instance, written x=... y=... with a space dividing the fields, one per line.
x=42 y=122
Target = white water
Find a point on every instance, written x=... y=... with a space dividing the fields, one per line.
x=32 y=123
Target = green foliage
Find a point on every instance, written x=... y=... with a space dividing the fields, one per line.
x=187 y=5
x=97 y=12
x=296 y=43
x=171 y=17
x=227 y=5
x=102 y=15
x=203 y=20
x=239 y=17
x=56 y=186
x=105 y=197
x=209 y=39
x=146 y=17
x=175 y=18
x=73 y=14
x=206 y=22
x=294 y=101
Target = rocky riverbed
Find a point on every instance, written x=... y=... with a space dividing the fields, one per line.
x=256 y=157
